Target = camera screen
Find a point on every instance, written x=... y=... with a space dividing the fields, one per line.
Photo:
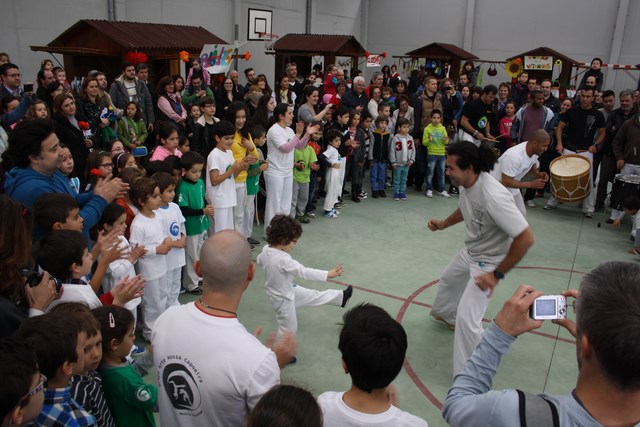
x=546 y=307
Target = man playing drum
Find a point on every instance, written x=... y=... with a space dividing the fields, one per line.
x=520 y=160
x=626 y=149
x=582 y=122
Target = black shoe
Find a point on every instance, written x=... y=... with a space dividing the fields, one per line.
x=196 y=291
x=453 y=190
x=374 y=194
x=355 y=200
x=252 y=241
x=382 y=194
x=609 y=221
x=346 y=295
x=292 y=361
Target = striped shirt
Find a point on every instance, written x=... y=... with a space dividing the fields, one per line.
x=87 y=391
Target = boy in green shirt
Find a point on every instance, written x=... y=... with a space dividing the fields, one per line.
x=304 y=161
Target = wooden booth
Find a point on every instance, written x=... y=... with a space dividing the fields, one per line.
x=440 y=58
x=92 y=44
x=301 y=48
x=544 y=63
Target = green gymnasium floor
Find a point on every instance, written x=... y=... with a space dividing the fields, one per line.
x=394 y=261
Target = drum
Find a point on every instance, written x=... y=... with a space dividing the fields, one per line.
x=570 y=178
x=623 y=187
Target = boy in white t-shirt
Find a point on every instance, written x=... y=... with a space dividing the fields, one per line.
x=221 y=170
x=147 y=230
x=173 y=225
x=373 y=347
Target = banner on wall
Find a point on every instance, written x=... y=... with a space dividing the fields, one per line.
x=373 y=60
x=216 y=58
x=544 y=63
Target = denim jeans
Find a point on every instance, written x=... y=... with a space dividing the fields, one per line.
x=378 y=175
x=400 y=179
x=435 y=163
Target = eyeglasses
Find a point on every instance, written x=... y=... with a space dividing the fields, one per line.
x=37 y=389
x=107 y=165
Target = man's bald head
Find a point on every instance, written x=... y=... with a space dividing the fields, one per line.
x=541 y=139
x=225 y=261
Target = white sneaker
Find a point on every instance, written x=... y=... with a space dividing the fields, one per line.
x=445 y=194
x=429 y=193
x=531 y=204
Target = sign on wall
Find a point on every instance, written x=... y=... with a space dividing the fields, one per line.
x=216 y=58
x=373 y=60
x=544 y=63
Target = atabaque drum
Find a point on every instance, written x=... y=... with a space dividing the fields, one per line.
x=570 y=178
x=623 y=187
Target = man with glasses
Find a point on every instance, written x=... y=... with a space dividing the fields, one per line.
x=21 y=394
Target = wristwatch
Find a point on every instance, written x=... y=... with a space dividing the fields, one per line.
x=498 y=274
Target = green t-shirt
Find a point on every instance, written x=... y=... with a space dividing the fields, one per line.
x=308 y=156
x=191 y=194
x=130 y=399
x=253 y=178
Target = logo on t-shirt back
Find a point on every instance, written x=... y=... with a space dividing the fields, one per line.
x=181 y=387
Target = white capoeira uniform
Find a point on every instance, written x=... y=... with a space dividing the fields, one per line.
x=333 y=178
x=492 y=221
x=281 y=141
x=515 y=163
x=280 y=270
x=223 y=195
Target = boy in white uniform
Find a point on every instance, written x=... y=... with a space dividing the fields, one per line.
x=221 y=169
x=281 y=269
x=373 y=347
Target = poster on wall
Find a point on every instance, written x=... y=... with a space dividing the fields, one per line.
x=216 y=58
x=373 y=60
x=544 y=63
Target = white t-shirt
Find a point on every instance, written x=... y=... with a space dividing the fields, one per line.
x=173 y=225
x=118 y=269
x=280 y=270
x=77 y=293
x=211 y=371
x=514 y=163
x=491 y=218
x=280 y=163
x=337 y=414
x=150 y=233
x=222 y=195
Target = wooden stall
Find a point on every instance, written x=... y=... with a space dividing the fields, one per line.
x=546 y=63
x=440 y=56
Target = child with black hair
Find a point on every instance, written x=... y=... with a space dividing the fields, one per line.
x=21 y=394
x=631 y=206
x=286 y=405
x=147 y=230
x=132 y=130
x=315 y=142
x=402 y=154
x=304 y=161
x=128 y=176
x=130 y=399
x=221 y=169
x=57 y=211
x=58 y=341
x=373 y=347
x=173 y=225
x=66 y=167
x=196 y=211
x=333 y=162
x=255 y=170
x=99 y=166
x=168 y=139
x=184 y=144
x=378 y=155
x=86 y=387
x=280 y=270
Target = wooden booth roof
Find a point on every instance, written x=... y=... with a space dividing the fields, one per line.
x=545 y=51
x=92 y=36
x=437 y=49
x=340 y=45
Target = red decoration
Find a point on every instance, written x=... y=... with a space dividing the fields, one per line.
x=519 y=60
x=136 y=57
x=95 y=172
x=184 y=56
x=366 y=54
x=384 y=54
x=83 y=125
x=247 y=56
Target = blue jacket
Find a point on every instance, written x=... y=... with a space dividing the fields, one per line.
x=25 y=185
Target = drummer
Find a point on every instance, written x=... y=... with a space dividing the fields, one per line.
x=583 y=122
x=520 y=160
x=631 y=207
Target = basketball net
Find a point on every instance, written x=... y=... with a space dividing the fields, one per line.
x=269 y=40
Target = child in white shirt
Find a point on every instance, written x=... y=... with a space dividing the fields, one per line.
x=147 y=230
x=332 y=160
x=281 y=269
x=173 y=225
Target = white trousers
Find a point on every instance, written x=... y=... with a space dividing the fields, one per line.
x=333 y=185
x=173 y=286
x=192 y=251
x=223 y=219
x=286 y=308
x=154 y=302
x=589 y=203
x=520 y=203
x=279 y=189
x=459 y=301
x=244 y=210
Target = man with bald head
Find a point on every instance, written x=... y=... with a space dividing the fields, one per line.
x=519 y=161
x=211 y=371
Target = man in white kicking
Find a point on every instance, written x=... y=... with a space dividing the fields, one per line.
x=497 y=237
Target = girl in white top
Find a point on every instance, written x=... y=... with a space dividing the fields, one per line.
x=281 y=269
x=146 y=229
x=281 y=141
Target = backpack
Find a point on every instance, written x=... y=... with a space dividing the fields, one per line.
x=536 y=411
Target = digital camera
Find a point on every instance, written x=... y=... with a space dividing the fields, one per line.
x=549 y=307
x=34 y=278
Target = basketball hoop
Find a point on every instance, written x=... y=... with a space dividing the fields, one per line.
x=269 y=40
